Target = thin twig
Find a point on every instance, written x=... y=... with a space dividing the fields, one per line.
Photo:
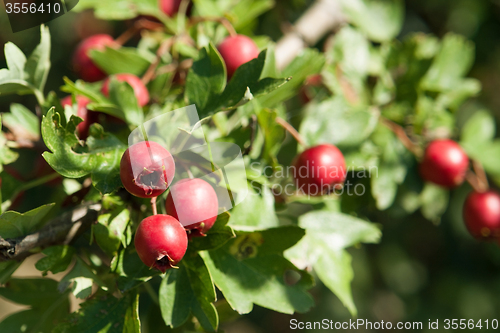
x=136 y=27
x=61 y=230
x=164 y=47
x=153 y=205
x=402 y=136
x=481 y=175
x=473 y=181
x=283 y=123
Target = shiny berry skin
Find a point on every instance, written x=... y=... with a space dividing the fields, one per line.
x=444 y=163
x=140 y=90
x=194 y=203
x=89 y=117
x=319 y=168
x=237 y=50
x=146 y=169
x=160 y=242
x=482 y=214
x=82 y=63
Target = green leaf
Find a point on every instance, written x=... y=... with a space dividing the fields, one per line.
x=392 y=167
x=452 y=62
x=131 y=270
x=327 y=234
x=489 y=156
x=103 y=313
x=102 y=161
x=335 y=271
x=217 y=236
x=120 y=9
x=48 y=306
x=274 y=134
x=81 y=277
x=380 y=20
x=132 y=322
x=308 y=62
x=187 y=290
x=206 y=78
x=243 y=87
x=7 y=155
x=335 y=122
x=122 y=95
x=434 y=201
x=479 y=130
x=20 y=120
x=25 y=76
x=57 y=259
x=246 y=276
x=122 y=60
x=246 y=11
x=38 y=64
x=14 y=224
x=255 y=212
x=111 y=230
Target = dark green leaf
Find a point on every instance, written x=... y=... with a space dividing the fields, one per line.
x=103 y=313
x=131 y=270
x=217 y=236
x=14 y=224
x=122 y=95
x=247 y=276
x=102 y=161
x=122 y=60
x=81 y=277
x=57 y=259
x=187 y=290
x=110 y=231
x=274 y=134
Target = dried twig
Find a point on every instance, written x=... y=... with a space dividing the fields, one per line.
x=283 y=123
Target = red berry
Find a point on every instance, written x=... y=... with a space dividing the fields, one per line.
x=140 y=90
x=170 y=7
x=82 y=63
x=146 y=169
x=444 y=163
x=482 y=214
x=319 y=168
x=237 y=50
x=194 y=203
x=89 y=117
x=160 y=241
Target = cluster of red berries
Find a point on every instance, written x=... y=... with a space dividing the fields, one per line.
x=146 y=170
x=446 y=164
x=235 y=50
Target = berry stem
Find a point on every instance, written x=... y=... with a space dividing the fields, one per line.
x=402 y=136
x=153 y=205
x=229 y=27
x=477 y=178
x=293 y=132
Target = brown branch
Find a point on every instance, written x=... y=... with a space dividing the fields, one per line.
x=283 y=123
x=136 y=27
x=403 y=137
x=61 y=230
x=481 y=175
x=153 y=205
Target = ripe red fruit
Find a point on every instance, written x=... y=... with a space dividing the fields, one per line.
x=170 y=7
x=140 y=90
x=194 y=203
x=82 y=63
x=319 y=168
x=160 y=241
x=146 y=169
x=89 y=117
x=444 y=163
x=482 y=214
x=237 y=50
